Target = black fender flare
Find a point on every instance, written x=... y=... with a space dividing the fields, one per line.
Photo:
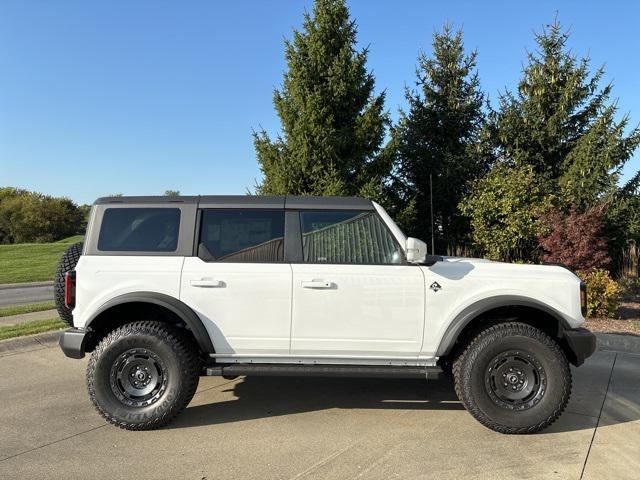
x=481 y=306
x=179 y=308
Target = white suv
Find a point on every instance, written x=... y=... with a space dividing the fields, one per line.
x=166 y=289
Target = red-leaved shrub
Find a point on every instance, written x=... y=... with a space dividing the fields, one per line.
x=575 y=240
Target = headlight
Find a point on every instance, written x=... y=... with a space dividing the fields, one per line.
x=583 y=299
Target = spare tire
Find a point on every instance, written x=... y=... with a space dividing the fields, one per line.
x=67 y=263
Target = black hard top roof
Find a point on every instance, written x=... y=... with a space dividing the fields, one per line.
x=248 y=201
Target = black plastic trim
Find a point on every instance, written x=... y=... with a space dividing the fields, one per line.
x=170 y=303
x=320 y=370
x=471 y=312
x=243 y=201
x=581 y=342
x=72 y=342
x=327 y=203
x=146 y=200
x=292 y=237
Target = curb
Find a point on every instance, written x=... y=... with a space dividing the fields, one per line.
x=617 y=342
x=11 y=286
x=39 y=340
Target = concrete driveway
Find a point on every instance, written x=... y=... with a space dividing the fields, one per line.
x=264 y=428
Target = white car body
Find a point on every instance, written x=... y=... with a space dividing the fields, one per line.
x=294 y=312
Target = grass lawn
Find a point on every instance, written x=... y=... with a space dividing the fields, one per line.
x=30 y=328
x=20 y=309
x=32 y=262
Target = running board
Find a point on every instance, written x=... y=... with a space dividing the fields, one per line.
x=353 y=371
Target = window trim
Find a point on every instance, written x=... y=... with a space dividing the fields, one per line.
x=374 y=212
x=185 y=232
x=200 y=223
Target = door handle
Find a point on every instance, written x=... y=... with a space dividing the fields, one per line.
x=318 y=284
x=207 y=283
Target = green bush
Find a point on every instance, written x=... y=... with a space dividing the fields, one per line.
x=505 y=208
x=603 y=293
x=30 y=217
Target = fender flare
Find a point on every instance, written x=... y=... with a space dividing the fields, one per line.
x=466 y=316
x=179 y=308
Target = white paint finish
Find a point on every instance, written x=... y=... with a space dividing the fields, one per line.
x=245 y=307
x=336 y=313
x=465 y=281
x=102 y=278
x=371 y=310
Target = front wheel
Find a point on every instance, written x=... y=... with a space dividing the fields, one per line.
x=141 y=375
x=513 y=378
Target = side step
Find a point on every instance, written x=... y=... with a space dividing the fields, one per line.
x=354 y=371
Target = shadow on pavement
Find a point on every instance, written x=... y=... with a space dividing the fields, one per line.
x=263 y=397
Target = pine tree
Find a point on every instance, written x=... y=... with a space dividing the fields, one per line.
x=333 y=124
x=561 y=123
x=439 y=135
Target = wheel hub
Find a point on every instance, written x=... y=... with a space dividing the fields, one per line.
x=138 y=377
x=515 y=380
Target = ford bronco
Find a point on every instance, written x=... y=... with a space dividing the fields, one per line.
x=166 y=289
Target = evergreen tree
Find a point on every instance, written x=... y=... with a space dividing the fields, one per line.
x=333 y=124
x=439 y=135
x=561 y=123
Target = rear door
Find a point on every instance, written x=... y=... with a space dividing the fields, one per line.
x=239 y=284
x=354 y=295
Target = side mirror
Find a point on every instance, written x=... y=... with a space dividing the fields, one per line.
x=416 y=250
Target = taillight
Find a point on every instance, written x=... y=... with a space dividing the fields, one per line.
x=70 y=289
x=583 y=299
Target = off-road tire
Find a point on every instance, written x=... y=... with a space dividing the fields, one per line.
x=474 y=367
x=172 y=346
x=68 y=262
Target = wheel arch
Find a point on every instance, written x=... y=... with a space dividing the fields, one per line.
x=501 y=308
x=158 y=302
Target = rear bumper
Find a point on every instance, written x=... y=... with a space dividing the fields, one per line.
x=72 y=342
x=581 y=344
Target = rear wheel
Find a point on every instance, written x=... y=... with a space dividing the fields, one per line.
x=143 y=374
x=513 y=378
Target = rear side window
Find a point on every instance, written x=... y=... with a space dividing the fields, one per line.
x=351 y=237
x=139 y=230
x=242 y=236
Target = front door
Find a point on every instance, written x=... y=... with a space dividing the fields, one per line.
x=354 y=295
x=239 y=284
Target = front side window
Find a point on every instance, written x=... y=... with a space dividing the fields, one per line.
x=245 y=236
x=352 y=237
x=139 y=230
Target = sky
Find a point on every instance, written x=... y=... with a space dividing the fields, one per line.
x=138 y=97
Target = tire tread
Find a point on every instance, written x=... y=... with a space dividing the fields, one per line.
x=186 y=350
x=473 y=349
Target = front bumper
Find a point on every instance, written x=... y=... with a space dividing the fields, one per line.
x=581 y=344
x=72 y=342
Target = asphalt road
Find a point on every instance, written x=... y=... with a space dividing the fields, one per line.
x=286 y=428
x=25 y=293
